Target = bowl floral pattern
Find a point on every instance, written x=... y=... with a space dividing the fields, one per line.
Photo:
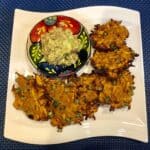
x=34 y=46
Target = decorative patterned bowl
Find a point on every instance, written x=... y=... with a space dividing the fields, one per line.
x=34 y=45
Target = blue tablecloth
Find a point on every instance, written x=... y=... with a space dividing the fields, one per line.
x=6 y=18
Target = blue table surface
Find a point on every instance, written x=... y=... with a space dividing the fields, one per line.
x=6 y=18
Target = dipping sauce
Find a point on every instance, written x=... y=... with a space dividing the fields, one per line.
x=60 y=46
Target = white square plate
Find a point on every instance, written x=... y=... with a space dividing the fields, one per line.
x=125 y=123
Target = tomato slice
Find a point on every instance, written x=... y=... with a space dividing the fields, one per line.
x=68 y=23
x=37 y=31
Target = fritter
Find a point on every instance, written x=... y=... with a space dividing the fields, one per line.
x=88 y=86
x=109 y=36
x=112 y=63
x=117 y=93
x=70 y=101
x=30 y=98
x=43 y=98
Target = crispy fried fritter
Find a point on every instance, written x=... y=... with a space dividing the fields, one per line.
x=109 y=36
x=29 y=97
x=64 y=110
x=72 y=100
x=61 y=101
x=114 y=92
x=112 y=63
x=117 y=93
x=88 y=86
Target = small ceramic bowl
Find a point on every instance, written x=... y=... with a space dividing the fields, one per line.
x=34 y=45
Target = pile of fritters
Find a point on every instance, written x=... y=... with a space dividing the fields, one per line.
x=109 y=36
x=72 y=100
x=112 y=55
x=65 y=102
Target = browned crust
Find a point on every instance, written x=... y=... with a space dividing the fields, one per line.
x=109 y=36
x=114 y=62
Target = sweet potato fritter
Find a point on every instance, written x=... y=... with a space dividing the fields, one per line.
x=61 y=101
x=72 y=100
x=109 y=36
x=112 y=63
x=117 y=93
x=29 y=97
x=88 y=88
x=114 y=92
